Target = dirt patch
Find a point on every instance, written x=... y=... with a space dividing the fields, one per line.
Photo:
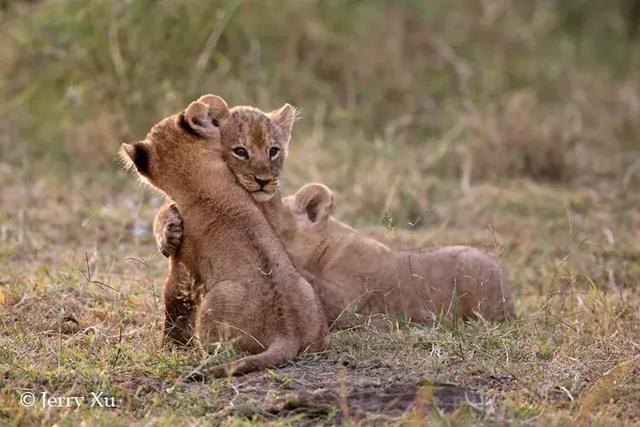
x=322 y=389
x=500 y=382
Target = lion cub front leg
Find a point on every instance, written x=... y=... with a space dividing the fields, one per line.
x=168 y=230
x=181 y=297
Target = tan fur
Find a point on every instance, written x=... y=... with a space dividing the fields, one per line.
x=232 y=277
x=349 y=270
x=457 y=281
x=167 y=229
x=352 y=272
x=256 y=132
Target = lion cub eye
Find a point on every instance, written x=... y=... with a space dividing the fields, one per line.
x=240 y=152
x=273 y=152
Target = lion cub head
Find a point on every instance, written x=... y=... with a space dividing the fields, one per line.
x=183 y=150
x=304 y=220
x=255 y=146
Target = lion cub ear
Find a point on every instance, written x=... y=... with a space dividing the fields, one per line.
x=204 y=116
x=313 y=204
x=284 y=118
x=136 y=154
x=218 y=106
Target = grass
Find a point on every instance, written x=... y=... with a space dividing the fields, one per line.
x=82 y=313
x=511 y=126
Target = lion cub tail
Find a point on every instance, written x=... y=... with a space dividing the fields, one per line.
x=279 y=351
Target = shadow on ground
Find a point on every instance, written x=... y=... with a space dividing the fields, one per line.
x=320 y=390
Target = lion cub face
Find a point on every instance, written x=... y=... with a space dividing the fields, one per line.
x=304 y=221
x=255 y=145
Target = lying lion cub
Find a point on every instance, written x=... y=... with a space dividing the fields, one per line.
x=453 y=280
x=349 y=270
x=233 y=277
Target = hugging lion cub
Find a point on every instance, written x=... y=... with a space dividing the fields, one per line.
x=349 y=271
x=233 y=280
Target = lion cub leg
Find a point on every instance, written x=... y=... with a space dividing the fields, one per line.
x=227 y=314
x=181 y=295
x=168 y=229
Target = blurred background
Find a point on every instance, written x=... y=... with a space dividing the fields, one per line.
x=394 y=94
x=456 y=115
x=510 y=125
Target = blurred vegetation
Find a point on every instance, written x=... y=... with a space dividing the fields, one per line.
x=392 y=92
x=509 y=125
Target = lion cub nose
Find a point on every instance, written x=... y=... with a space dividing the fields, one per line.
x=261 y=181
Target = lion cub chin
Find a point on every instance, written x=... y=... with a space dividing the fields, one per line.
x=232 y=279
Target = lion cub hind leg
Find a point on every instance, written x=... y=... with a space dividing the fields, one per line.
x=227 y=314
x=230 y=311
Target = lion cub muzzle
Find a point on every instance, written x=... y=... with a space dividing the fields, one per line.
x=262 y=188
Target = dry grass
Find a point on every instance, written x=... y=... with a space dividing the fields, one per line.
x=82 y=313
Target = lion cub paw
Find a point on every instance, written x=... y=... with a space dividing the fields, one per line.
x=169 y=237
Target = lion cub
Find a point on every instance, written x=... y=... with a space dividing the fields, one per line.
x=255 y=154
x=349 y=270
x=371 y=278
x=233 y=278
